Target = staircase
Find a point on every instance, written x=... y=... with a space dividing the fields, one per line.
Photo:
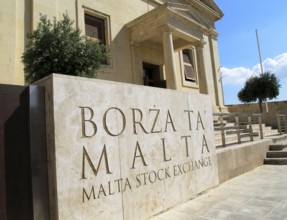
x=277 y=154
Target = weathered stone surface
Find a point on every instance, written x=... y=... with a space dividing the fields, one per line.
x=120 y=151
x=239 y=159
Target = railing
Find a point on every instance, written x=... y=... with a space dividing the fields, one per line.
x=243 y=126
x=282 y=123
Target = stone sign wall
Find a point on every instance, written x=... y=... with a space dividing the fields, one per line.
x=121 y=151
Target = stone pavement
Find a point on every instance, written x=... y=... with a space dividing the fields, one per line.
x=258 y=194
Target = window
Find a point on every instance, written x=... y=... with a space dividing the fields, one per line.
x=188 y=65
x=95 y=28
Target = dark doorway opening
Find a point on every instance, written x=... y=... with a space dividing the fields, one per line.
x=152 y=76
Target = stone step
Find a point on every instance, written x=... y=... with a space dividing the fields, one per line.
x=277 y=154
x=275 y=161
x=277 y=147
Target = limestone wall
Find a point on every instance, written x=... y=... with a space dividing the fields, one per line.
x=20 y=17
x=234 y=161
x=113 y=155
x=12 y=40
x=269 y=118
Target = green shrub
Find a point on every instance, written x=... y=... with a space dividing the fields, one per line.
x=57 y=47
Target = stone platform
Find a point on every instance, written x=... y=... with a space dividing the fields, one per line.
x=258 y=194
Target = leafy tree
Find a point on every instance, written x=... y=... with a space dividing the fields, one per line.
x=57 y=47
x=259 y=88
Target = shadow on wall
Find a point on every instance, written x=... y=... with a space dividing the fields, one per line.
x=23 y=172
x=17 y=163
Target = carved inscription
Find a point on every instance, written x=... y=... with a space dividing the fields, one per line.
x=154 y=121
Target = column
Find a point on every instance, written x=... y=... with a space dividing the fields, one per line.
x=203 y=86
x=136 y=63
x=216 y=68
x=169 y=63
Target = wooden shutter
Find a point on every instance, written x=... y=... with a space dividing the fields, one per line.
x=188 y=65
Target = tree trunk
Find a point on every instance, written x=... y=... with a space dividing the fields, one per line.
x=260 y=106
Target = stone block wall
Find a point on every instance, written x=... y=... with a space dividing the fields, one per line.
x=238 y=160
x=269 y=118
x=113 y=146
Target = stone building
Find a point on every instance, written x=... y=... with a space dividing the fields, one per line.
x=162 y=43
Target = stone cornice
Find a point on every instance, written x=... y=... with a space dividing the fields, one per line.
x=199 y=44
x=174 y=10
x=168 y=9
x=213 y=33
x=216 y=14
x=182 y=20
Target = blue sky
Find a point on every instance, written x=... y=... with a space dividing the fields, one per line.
x=238 y=46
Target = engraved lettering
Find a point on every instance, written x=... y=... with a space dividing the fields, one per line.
x=158 y=174
x=119 y=181
x=163 y=149
x=167 y=175
x=169 y=121
x=85 y=121
x=138 y=180
x=177 y=170
x=139 y=122
x=95 y=170
x=189 y=118
x=204 y=144
x=186 y=143
x=91 y=195
x=101 y=190
x=127 y=184
x=199 y=121
x=152 y=178
x=155 y=121
x=110 y=191
x=123 y=122
x=184 y=168
x=140 y=155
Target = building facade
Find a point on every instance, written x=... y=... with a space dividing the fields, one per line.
x=162 y=43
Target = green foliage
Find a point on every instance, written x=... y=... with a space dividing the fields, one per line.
x=259 y=88
x=57 y=47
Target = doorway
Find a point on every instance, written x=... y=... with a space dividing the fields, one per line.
x=152 y=76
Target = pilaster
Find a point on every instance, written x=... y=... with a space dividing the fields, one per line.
x=136 y=63
x=203 y=86
x=216 y=68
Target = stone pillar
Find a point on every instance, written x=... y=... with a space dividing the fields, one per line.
x=168 y=50
x=136 y=63
x=203 y=86
x=216 y=69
